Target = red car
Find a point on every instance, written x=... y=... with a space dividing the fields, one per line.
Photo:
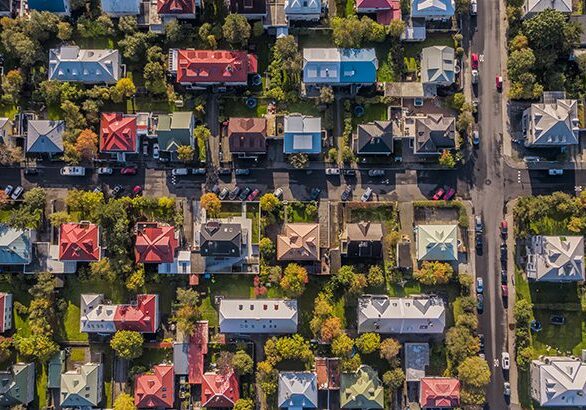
x=128 y=171
x=253 y=195
x=438 y=194
x=499 y=83
x=505 y=291
x=451 y=192
x=137 y=190
x=474 y=61
x=504 y=229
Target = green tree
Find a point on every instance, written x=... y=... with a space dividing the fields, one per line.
x=350 y=364
x=102 y=270
x=242 y=404
x=12 y=83
x=154 y=78
x=522 y=311
x=465 y=280
x=519 y=62
x=469 y=320
x=457 y=101
x=127 y=344
x=36 y=347
x=525 y=356
x=126 y=87
x=136 y=280
x=269 y=202
x=518 y=42
x=242 y=363
x=375 y=276
x=124 y=401
x=474 y=371
x=342 y=345
x=368 y=342
x=127 y=24
x=396 y=28
x=326 y=95
x=461 y=344
x=294 y=280
x=267 y=248
x=185 y=153
x=211 y=203
x=389 y=349
x=464 y=121
x=135 y=45
x=394 y=379
x=434 y=273
x=64 y=31
x=236 y=29
x=299 y=161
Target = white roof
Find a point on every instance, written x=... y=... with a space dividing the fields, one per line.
x=297 y=389
x=558 y=382
x=258 y=316
x=556 y=258
x=536 y=6
x=437 y=65
x=338 y=54
x=297 y=123
x=553 y=124
x=437 y=242
x=433 y=8
x=95 y=316
x=416 y=315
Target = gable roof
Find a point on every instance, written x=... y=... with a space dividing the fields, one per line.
x=79 y=242
x=82 y=387
x=118 y=133
x=558 y=382
x=98 y=317
x=198 y=348
x=556 y=258
x=437 y=242
x=433 y=8
x=375 y=138
x=302 y=134
x=297 y=390
x=155 y=243
x=553 y=124
x=339 y=65
x=247 y=134
x=439 y=392
x=299 y=7
x=258 y=316
x=437 y=65
x=421 y=314
x=220 y=239
x=299 y=242
x=213 y=66
x=433 y=133
x=156 y=389
x=120 y=7
x=362 y=389
x=536 y=6
x=175 y=129
x=17 y=385
x=174 y=7
x=248 y=7
x=378 y=4
x=45 y=136
x=15 y=246
x=70 y=63
x=219 y=390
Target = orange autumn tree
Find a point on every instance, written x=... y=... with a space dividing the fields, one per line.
x=86 y=145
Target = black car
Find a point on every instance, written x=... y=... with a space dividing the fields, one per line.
x=504 y=278
x=349 y=172
x=31 y=171
x=118 y=189
x=480 y=303
x=244 y=194
x=315 y=193
x=504 y=253
x=481 y=342
x=557 y=320
x=224 y=171
x=479 y=242
x=347 y=193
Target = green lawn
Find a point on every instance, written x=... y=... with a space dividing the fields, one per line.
x=297 y=213
x=41 y=382
x=230 y=209
x=373 y=112
x=380 y=213
x=253 y=212
x=236 y=107
x=303 y=107
x=166 y=288
x=153 y=356
x=315 y=39
x=433 y=39
x=147 y=104
x=77 y=354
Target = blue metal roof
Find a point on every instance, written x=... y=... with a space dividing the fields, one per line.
x=55 y=6
x=290 y=143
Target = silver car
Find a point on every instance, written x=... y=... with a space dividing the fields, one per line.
x=366 y=195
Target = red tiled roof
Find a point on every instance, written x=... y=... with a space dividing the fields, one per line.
x=155 y=244
x=176 y=7
x=118 y=133
x=439 y=392
x=378 y=4
x=155 y=390
x=328 y=373
x=219 y=66
x=198 y=348
x=219 y=390
x=140 y=318
x=247 y=134
x=2 y=304
x=385 y=17
x=79 y=242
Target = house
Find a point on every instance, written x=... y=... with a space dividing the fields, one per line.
x=5 y=312
x=180 y=9
x=552 y=124
x=303 y=10
x=119 y=8
x=270 y=316
x=439 y=393
x=220 y=239
x=416 y=361
x=155 y=390
x=60 y=7
x=219 y=390
x=70 y=63
x=297 y=390
x=6 y=128
x=118 y=133
x=45 y=137
x=437 y=242
x=339 y=66
x=327 y=370
x=417 y=315
x=533 y=7
x=17 y=385
x=558 y=382
x=363 y=240
x=15 y=246
x=374 y=138
x=432 y=133
x=247 y=136
x=55 y=368
x=251 y=9
x=189 y=352
x=437 y=66
x=209 y=67
x=433 y=9
x=302 y=134
x=175 y=129
x=99 y=317
x=385 y=10
x=82 y=387
x=6 y=8
x=298 y=242
x=555 y=258
x=155 y=243
x=362 y=390
x=79 y=242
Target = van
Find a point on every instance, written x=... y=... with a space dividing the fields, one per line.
x=73 y=171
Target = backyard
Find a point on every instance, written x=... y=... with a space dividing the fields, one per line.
x=236 y=107
x=301 y=212
x=386 y=214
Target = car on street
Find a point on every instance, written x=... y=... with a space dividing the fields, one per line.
x=244 y=194
x=8 y=190
x=478 y=226
x=241 y=172
x=117 y=191
x=145 y=149
x=156 y=151
x=216 y=189
x=17 y=193
x=450 y=192
x=475 y=76
x=481 y=342
x=438 y=194
x=504 y=278
x=376 y=173
x=349 y=172
x=531 y=158
x=557 y=320
x=473 y=7
x=347 y=193
x=137 y=190
x=504 y=227
x=72 y=171
x=366 y=195
x=104 y=171
x=315 y=193
x=479 y=242
x=556 y=171
x=479 y=285
x=234 y=193
x=507 y=389
x=31 y=171
x=253 y=195
x=504 y=252
x=476 y=137
x=223 y=193
x=505 y=291
x=505 y=360
x=499 y=83
x=128 y=171
x=332 y=171
x=480 y=303
x=198 y=171
x=474 y=61
x=278 y=193
x=224 y=171
x=179 y=171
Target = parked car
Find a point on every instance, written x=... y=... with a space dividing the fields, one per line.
x=507 y=388
x=505 y=360
x=481 y=342
x=473 y=7
x=504 y=253
x=478 y=226
x=505 y=291
x=504 y=278
x=376 y=173
x=347 y=193
x=504 y=227
x=17 y=193
x=278 y=193
x=253 y=195
x=349 y=172
x=475 y=76
x=137 y=190
x=145 y=149
x=72 y=171
x=104 y=171
x=223 y=193
x=557 y=320
x=216 y=189
x=244 y=194
x=315 y=193
x=8 y=190
x=366 y=195
x=179 y=171
x=234 y=193
x=198 y=171
x=156 y=151
x=499 y=83
x=438 y=194
x=476 y=137
x=224 y=171
x=241 y=172
x=332 y=171
x=474 y=61
x=480 y=303
x=479 y=242
x=31 y=171
x=479 y=285
x=556 y=171
x=128 y=171
x=117 y=191
x=449 y=194
x=530 y=158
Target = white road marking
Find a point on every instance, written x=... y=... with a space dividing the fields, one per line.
x=481 y=58
x=496 y=363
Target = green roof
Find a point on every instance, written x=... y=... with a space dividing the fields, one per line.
x=175 y=129
x=361 y=390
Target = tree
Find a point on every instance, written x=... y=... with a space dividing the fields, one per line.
x=519 y=62
x=267 y=248
x=457 y=101
x=464 y=121
x=10 y=154
x=375 y=276
x=86 y=145
x=465 y=280
x=348 y=155
x=187 y=296
x=434 y=273
x=394 y=379
x=350 y=364
x=396 y=28
x=522 y=311
x=299 y=161
x=269 y=202
x=330 y=329
x=242 y=404
x=35 y=199
x=154 y=78
x=102 y=270
x=4 y=199
x=294 y=280
x=332 y=155
x=36 y=347
x=127 y=344
x=326 y=95
x=174 y=32
x=124 y=401
x=474 y=371
x=5 y=346
x=126 y=87
x=525 y=356
x=550 y=35
x=389 y=349
x=342 y=345
x=185 y=153
x=236 y=29
x=127 y=24
x=461 y=343
x=211 y=203
x=518 y=42
x=135 y=45
x=136 y=280
x=368 y=342
x=12 y=83
x=469 y=320
x=74 y=119
x=357 y=285
x=242 y=363
x=64 y=31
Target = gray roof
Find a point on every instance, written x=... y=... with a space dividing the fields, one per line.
x=118 y=8
x=297 y=390
x=556 y=258
x=45 y=136
x=433 y=133
x=552 y=124
x=56 y=366
x=558 y=382
x=83 y=386
x=15 y=246
x=17 y=385
x=437 y=242
x=175 y=129
x=437 y=65
x=258 y=316
x=416 y=360
x=220 y=239
x=433 y=8
x=70 y=63
x=415 y=315
x=532 y=7
x=375 y=138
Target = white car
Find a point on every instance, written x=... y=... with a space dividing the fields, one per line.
x=505 y=361
x=179 y=171
x=104 y=171
x=278 y=193
x=156 y=151
x=473 y=7
x=557 y=171
x=17 y=193
x=332 y=171
x=531 y=159
x=507 y=389
x=366 y=195
x=475 y=76
x=73 y=171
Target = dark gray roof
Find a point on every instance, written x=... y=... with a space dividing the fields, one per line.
x=434 y=132
x=375 y=138
x=220 y=239
x=17 y=385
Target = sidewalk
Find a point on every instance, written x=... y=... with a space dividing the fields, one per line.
x=510 y=334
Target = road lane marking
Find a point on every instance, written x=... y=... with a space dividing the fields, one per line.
x=496 y=363
x=481 y=58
